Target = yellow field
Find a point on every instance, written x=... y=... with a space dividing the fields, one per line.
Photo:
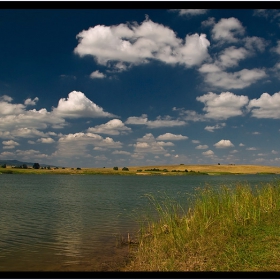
x=210 y=169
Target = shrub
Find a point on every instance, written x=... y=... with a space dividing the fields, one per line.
x=115 y=168
x=79 y=168
x=125 y=169
x=36 y=165
x=4 y=165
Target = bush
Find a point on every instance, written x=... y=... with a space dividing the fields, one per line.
x=115 y=168
x=4 y=165
x=139 y=170
x=79 y=168
x=125 y=169
x=36 y=165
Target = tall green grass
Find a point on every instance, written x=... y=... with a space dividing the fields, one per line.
x=221 y=229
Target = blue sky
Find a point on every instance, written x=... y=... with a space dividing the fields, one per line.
x=105 y=87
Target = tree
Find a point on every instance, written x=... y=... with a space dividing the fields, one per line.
x=24 y=166
x=125 y=169
x=4 y=165
x=116 y=168
x=36 y=165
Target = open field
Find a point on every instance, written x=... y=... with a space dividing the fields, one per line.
x=153 y=170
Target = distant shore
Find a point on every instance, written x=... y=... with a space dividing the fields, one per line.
x=164 y=170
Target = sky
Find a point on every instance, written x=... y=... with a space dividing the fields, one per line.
x=131 y=87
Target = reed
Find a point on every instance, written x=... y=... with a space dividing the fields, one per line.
x=219 y=229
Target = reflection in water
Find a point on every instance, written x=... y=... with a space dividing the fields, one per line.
x=60 y=222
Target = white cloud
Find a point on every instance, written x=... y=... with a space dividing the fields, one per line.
x=274 y=152
x=112 y=127
x=121 y=153
x=172 y=137
x=234 y=151
x=209 y=22
x=77 y=105
x=252 y=43
x=212 y=128
x=46 y=140
x=6 y=98
x=137 y=44
x=97 y=75
x=256 y=133
x=6 y=108
x=208 y=153
x=227 y=29
x=195 y=141
x=224 y=105
x=201 y=147
x=190 y=12
x=166 y=121
x=231 y=56
x=223 y=144
x=10 y=144
x=251 y=149
x=29 y=101
x=267 y=106
x=241 y=145
x=215 y=76
x=81 y=144
x=148 y=144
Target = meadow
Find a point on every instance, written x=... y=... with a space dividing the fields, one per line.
x=152 y=170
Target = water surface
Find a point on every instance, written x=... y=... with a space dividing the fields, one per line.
x=73 y=222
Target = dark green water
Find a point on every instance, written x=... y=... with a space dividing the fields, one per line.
x=66 y=222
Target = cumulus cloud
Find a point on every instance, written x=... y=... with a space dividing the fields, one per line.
x=267 y=106
x=190 y=12
x=223 y=144
x=255 y=43
x=166 y=121
x=80 y=144
x=97 y=75
x=231 y=56
x=135 y=44
x=209 y=22
x=212 y=128
x=208 y=153
x=215 y=76
x=6 y=108
x=224 y=105
x=29 y=101
x=241 y=145
x=121 y=153
x=148 y=144
x=10 y=144
x=172 y=137
x=77 y=105
x=227 y=30
x=112 y=127
x=47 y=140
x=251 y=149
x=195 y=141
x=201 y=147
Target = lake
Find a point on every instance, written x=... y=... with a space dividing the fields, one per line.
x=73 y=222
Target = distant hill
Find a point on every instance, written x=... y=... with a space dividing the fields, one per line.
x=14 y=162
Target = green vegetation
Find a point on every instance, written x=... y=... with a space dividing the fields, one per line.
x=224 y=229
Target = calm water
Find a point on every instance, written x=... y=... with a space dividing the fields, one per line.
x=64 y=222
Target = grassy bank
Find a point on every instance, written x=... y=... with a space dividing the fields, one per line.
x=229 y=229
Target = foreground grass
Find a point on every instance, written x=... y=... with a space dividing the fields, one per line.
x=229 y=229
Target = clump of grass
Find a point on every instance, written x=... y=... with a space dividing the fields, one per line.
x=224 y=229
